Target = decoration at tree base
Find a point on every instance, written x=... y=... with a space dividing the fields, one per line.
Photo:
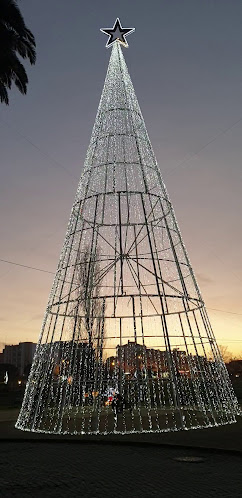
x=126 y=343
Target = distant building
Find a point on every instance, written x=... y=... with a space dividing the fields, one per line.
x=133 y=357
x=76 y=359
x=111 y=362
x=235 y=368
x=130 y=356
x=20 y=355
x=136 y=357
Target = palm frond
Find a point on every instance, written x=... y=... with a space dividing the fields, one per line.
x=3 y=94
x=15 y=38
x=10 y=39
x=11 y=16
x=17 y=72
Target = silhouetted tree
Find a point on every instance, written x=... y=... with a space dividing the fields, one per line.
x=15 y=39
x=225 y=353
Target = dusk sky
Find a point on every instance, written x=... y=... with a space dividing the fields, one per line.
x=185 y=63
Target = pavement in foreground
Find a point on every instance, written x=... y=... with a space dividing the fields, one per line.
x=192 y=464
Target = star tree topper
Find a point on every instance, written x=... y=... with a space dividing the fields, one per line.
x=117 y=33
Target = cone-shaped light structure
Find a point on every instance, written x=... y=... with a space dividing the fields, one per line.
x=126 y=344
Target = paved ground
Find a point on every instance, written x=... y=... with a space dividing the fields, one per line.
x=227 y=437
x=34 y=469
x=146 y=466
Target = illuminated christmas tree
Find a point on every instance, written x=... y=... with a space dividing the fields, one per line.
x=126 y=343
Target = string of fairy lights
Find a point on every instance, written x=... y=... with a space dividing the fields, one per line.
x=126 y=344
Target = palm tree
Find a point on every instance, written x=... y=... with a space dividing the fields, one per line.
x=15 y=39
